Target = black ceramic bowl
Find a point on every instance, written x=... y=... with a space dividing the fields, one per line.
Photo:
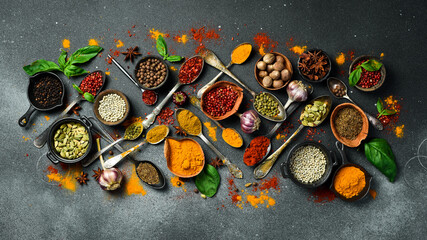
x=145 y=59
x=327 y=74
x=53 y=155
x=330 y=162
x=364 y=191
x=382 y=69
x=162 y=181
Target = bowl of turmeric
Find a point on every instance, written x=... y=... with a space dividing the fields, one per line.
x=184 y=157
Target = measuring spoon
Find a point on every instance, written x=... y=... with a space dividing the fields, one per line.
x=234 y=170
x=203 y=89
x=114 y=160
x=335 y=82
x=196 y=102
x=130 y=77
x=211 y=59
x=152 y=116
x=41 y=140
x=264 y=168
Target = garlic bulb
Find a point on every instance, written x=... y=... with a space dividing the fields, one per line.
x=110 y=179
x=249 y=121
x=297 y=92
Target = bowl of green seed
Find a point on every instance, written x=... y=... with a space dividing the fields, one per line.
x=269 y=107
x=70 y=140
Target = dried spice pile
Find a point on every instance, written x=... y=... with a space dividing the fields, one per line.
x=314 y=65
x=348 y=123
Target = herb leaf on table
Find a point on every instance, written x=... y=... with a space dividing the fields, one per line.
x=382 y=111
x=41 y=65
x=62 y=59
x=162 y=48
x=379 y=153
x=83 y=55
x=208 y=181
x=73 y=70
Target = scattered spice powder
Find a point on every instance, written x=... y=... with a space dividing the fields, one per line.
x=381 y=56
x=93 y=42
x=119 y=44
x=390 y=122
x=322 y=195
x=212 y=130
x=154 y=34
x=264 y=43
x=166 y=116
x=47 y=117
x=133 y=185
x=173 y=68
x=203 y=35
x=373 y=193
x=66 y=180
x=181 y=39
x=340 y=59
x=298 y=49
x=66 y=43
x=399 y=131
x=177 y=182
x=262 y=199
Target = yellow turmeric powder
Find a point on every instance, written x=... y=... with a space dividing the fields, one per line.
x=241 y=53
x=349 y=181
x=399 y=131
x=185 y=157
x=157 y=134
x=189 y=122
x=232 y=138
x=212 y=130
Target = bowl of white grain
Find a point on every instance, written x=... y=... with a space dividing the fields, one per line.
x=111 y=107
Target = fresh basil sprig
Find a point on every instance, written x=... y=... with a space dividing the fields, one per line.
x=379 y=153
x=371 y=65
x=162 y=48
x=88 y=96
x=67 y=67
x=382 y=111
x=208 y=181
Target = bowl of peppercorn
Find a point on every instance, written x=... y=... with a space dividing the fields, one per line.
x=367 y=73
x=314 y=65
x=221 y=100
x=151 y=72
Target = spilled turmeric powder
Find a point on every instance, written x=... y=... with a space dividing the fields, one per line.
x=93 y=42
x=133 y=184
x=211 y=130
x=298 y=49
x=340 y=59
x=399 y=131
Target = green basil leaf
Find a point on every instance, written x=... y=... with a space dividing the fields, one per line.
x=208 y=181
x=77 y=88
x=73 y=70
x=355 y=76
x=61 y=59
x=379 y=153
x=89 y=97
x=83 y=55
x=41 y=65
x=174 y=58
x=371 y=65
x=161 y=46
x=380 y=106
x=388 y=112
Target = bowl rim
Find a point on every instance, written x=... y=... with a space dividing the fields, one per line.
x=144 y=59
x=382 y=70
x=96 y=104
x=162 y=179
x=288 y=66
x=236 y=104
x=363 y=133
x=327 y=74
x=168 y=160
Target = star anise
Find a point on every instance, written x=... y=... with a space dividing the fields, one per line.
x=217 y=162
x=131 y=53
x=97 y=173
x=180 y=131
x=82 y=179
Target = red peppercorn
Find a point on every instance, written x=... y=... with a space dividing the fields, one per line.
x=219 y=101
x=92 y=83
x=149 y=97
x=368 y=79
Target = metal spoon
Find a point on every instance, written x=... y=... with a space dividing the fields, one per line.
x=152 y=116
x=41 y=140
x=203 y=89
x=125 y=137
x=264 y=168
x=130 y=77
x=211 y=59
x=196 y=102
x=334 y=82
x=234 y=170
x=114 y=160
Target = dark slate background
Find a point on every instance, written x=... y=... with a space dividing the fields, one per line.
x=31 y=209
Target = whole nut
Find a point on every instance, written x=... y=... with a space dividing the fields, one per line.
x=269 y=58
x=267 y=81
x=285 y=75
x=274 y=75
x=280 y=59
x=270 y=68
x=279 y=66
x=261 y=65
x=277 y=83
x=262 y=74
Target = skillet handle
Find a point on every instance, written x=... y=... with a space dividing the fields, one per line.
x=334 y=158
x=51 y=157
x=23 y=121
x=282 y=170
x=340 y=148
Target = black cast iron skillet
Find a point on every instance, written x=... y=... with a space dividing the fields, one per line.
x=330 y=163
x=23 y=121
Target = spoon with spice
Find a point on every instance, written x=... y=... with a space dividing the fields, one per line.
x=132 y=132
x=239 y=55
x=265 y=103
x=188 y=73
x=155 y=136
x=313 y=115
x=91 y=83
x=191 y=124
x=339 y=90
x=149 y=97
x=229 y=135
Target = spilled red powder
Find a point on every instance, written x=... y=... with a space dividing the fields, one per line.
x=202 y=35
x=51 y=169
x=322 y=195
x=264 y=43
x=350 y=55
x=268 y=183
x=165 y=117
x=233 y=191
x=312 y=132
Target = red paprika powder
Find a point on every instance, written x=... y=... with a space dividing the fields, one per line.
x=190 y=69
x=149 y=97
x=256 y=150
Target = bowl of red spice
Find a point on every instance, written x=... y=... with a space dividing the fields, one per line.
x=371 y=78
x=273 y=71
x=191 y=69
x=151 y=72
x=349 y=124
x=221 y=100
x=314 y=65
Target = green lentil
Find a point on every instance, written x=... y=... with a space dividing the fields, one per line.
x=266 y=105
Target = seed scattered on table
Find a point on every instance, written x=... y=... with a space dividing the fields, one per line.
x=112 y=107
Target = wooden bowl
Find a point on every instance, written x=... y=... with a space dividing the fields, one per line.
x=99 y=98
x=362 y=135
x=236 y=105
x=382 y=70
x=168 y=160
x=288 y=66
